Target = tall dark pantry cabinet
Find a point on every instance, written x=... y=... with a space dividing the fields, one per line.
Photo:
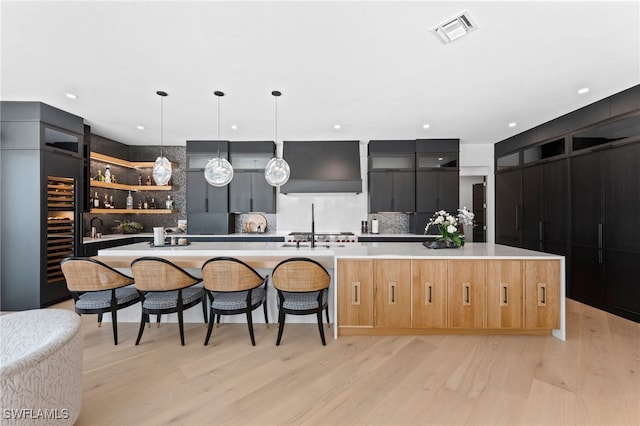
x=572 y=187
x=42 y=158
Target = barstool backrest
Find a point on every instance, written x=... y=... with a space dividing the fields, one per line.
x=300 y=274
x=229 y=274
x=158 y=274
x=86 y=274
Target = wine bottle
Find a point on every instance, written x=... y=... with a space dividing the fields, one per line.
x=96 y=201
x=169 y=203
x=107 y=174
x=129 y=201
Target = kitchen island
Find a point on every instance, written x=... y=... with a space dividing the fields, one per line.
x=405 y=288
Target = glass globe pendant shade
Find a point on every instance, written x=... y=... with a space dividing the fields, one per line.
x=277 y=172
x=161 y=171
x=218 y=172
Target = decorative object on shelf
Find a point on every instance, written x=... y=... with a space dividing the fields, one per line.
x=127 y=227
x=450 y=228
x=218 y=171
x=277 y=170
x=162 y=166
x=256 y=223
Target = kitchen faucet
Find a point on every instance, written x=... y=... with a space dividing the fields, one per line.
x=94 y=231
x=313 y=229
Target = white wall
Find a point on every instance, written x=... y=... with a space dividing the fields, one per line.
x=344 y=212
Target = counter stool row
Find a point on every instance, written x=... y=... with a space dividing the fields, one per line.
x=231 y=286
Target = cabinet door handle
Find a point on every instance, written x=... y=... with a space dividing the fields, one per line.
x=600 y=236
x=428 y=293
x=250 y=204
x=392 y=293
x=206 y=205
x=466 y=290
x=517 y=218
x=542 y=294
x=355 y=294
x=504 y=300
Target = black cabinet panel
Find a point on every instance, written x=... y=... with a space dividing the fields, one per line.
x=449 y=191
x=626 y=101
x=586 y=199
x=391 y=191
x=621 y=277
x=508 y=205
x=202 y=197
x=555 y=216
x=427 y=190
x=532 y=207
x=586 y=275
x=250 y=192
x=622 y=193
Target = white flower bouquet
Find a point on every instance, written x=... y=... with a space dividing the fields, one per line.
x=450 y=228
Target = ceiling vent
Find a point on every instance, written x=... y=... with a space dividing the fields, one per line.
x=455 y=28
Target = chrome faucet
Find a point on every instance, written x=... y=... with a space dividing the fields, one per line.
x=94 y=231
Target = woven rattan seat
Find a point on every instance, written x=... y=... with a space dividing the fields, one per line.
x=165 y=288
x=233 y=288
x=97 y=288
x=303 y=286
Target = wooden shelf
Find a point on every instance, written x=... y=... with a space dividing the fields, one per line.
x=133 y=211
x=120 y=162
x=125 y=187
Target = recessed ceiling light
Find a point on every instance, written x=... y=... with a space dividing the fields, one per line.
x=140 y=127
x=583 y=90
x=336 y=126
x=426 y=126
x=234 y=127
x=512 y=124
x=72 y=96
x=440 y=158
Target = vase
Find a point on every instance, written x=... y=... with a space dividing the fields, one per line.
x=441 y=243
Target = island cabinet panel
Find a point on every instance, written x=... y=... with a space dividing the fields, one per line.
x=541 y=294
x=392 y=279
x=355 y=292
x=504 y=294
x=429 y=293
x=466 y=293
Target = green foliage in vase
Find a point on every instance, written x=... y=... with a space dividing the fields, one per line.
x=127 y=227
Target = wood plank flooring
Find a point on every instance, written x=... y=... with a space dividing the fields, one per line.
x=591 y=379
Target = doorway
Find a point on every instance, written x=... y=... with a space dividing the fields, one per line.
x=473 y=196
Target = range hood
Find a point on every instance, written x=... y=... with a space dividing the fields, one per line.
x=322 y=166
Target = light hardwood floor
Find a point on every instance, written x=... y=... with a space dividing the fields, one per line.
x=591 y=379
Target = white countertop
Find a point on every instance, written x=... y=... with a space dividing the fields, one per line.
x=350 y=250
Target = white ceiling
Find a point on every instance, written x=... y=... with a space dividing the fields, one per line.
x=375 y=68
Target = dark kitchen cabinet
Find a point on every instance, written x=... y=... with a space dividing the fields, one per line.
x=42 y=157
x=508 y=207
x=207 y=205
x=545 y=207
x=621 y=204
x=391 y=191
x=605 y=251
x=437 y=190
x=392 y=177
x=249 y=190
x=532 y=207
x=202 y=197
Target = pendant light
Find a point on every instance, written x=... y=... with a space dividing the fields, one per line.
x=162 y=166
x=277 y=170
x=218 y=171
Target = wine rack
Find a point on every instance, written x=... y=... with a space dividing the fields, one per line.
x=60 y=224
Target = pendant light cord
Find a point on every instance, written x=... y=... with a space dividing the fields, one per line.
x=218 y=127
x=161 y=123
